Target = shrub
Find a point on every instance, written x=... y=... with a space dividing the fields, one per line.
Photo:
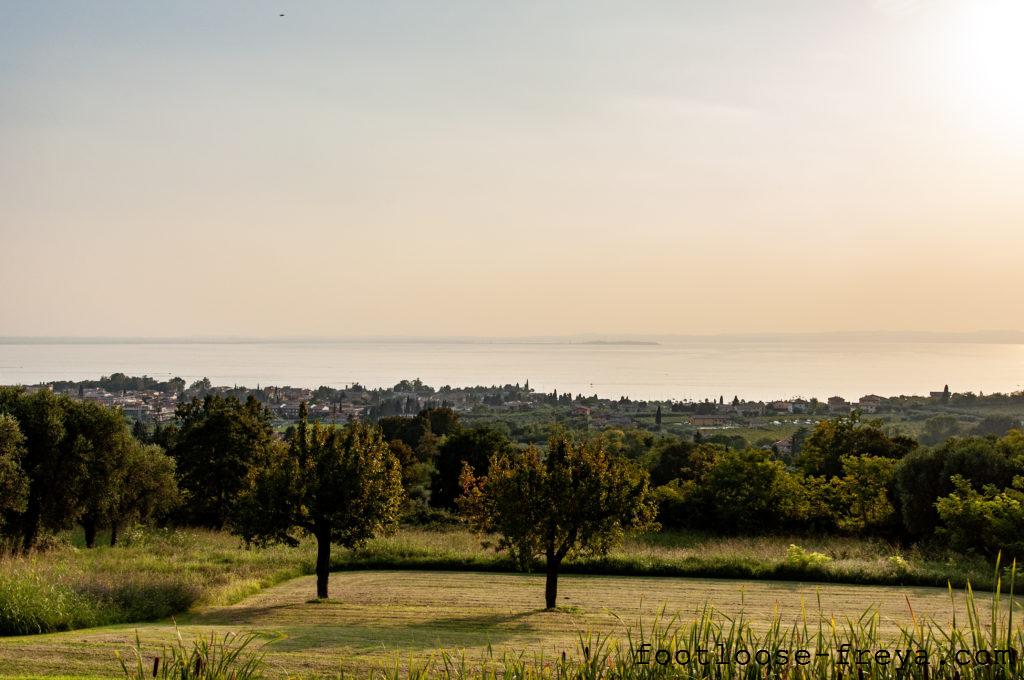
x=34 y=602
x=899 y=564
x=990 y=521
x=798 y=557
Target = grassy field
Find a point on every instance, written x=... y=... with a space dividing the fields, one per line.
x=156 y=574
x=379 y=618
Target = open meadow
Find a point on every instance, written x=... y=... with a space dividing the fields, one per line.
x=376 y=619
x=402 y=599
x=157 y=573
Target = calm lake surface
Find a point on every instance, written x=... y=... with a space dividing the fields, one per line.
x=677 y=370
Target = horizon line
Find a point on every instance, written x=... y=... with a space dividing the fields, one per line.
x=995 y=336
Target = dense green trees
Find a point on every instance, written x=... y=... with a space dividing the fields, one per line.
x=146 y=487
x=677 y=460
x=867 y=491
x=925 y=475
x=729 y=491
x=53 y=462
x=884 y=485
x=13 y=481
x=831 y=440
x=990 y=521
x=938 y=429
x=575 y=499
x=103 y=442
x=219 y=440
x=340 y=485
x=65 y=461
x=474 y=447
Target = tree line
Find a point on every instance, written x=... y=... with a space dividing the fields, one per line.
x=64 y=461
x=222 y=465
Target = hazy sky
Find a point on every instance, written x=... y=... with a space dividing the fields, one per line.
x=520 y=168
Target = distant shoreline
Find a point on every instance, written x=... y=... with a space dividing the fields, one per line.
x=1013 y=337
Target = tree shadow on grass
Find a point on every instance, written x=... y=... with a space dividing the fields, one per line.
x=451 y=633
x=239 y=616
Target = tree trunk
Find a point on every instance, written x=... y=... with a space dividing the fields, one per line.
x=89 y=528
x=551 y=586
x=323 y=562
x=113 y=534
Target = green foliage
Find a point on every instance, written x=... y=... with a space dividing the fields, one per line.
x=218 y=442
x=798 y=557
x=925 y=475
x=631 y=442
x=13 y=481
x=731 y=492
x=77 y=461
x=996 y=426
x=938 y=429
x=152 y=574
x=103 y=441
x=56 y=444
x=747 y=491
x=990 y=521
x=213 y=658
x=729 y=441
x=680 y=460
x=578 y=499
x=474 y=447
x=866 y=483
x=146 y=487
x=340 y=485
x=831 y=440
x=32 y=602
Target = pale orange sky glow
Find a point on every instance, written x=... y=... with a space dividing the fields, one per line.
x=463 y=168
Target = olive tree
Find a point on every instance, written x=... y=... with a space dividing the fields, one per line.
x=338 y=484
x=53 y=462
x=13 y=482
x=102 y=440
x=146 y=487
x=575 y=499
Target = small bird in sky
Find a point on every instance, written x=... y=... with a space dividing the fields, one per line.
x=280 y=15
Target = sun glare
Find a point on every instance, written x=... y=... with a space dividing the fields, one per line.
x=986 y=62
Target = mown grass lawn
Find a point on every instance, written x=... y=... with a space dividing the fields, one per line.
x=161 y=573
x=379 y=618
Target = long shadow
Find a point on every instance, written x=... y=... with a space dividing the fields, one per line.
x=450 y=633
x=235 y=616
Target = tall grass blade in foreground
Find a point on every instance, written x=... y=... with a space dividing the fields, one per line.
x=206 y=659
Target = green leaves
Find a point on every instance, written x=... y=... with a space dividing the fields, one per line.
x=578 y=499
x=340 y=484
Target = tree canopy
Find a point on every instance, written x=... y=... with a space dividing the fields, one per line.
x=338 y=484
x=219 y=440
x=575 y=499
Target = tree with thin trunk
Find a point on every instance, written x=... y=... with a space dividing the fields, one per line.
x=576 y=499
x=102 y=439
x=146 y=487
x=338 y=484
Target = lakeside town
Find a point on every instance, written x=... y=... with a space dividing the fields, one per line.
x=768 y=424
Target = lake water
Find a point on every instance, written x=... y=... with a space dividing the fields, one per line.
x=692 y=369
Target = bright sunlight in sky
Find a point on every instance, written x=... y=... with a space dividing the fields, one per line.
x=527 y=168
x=986 y=57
